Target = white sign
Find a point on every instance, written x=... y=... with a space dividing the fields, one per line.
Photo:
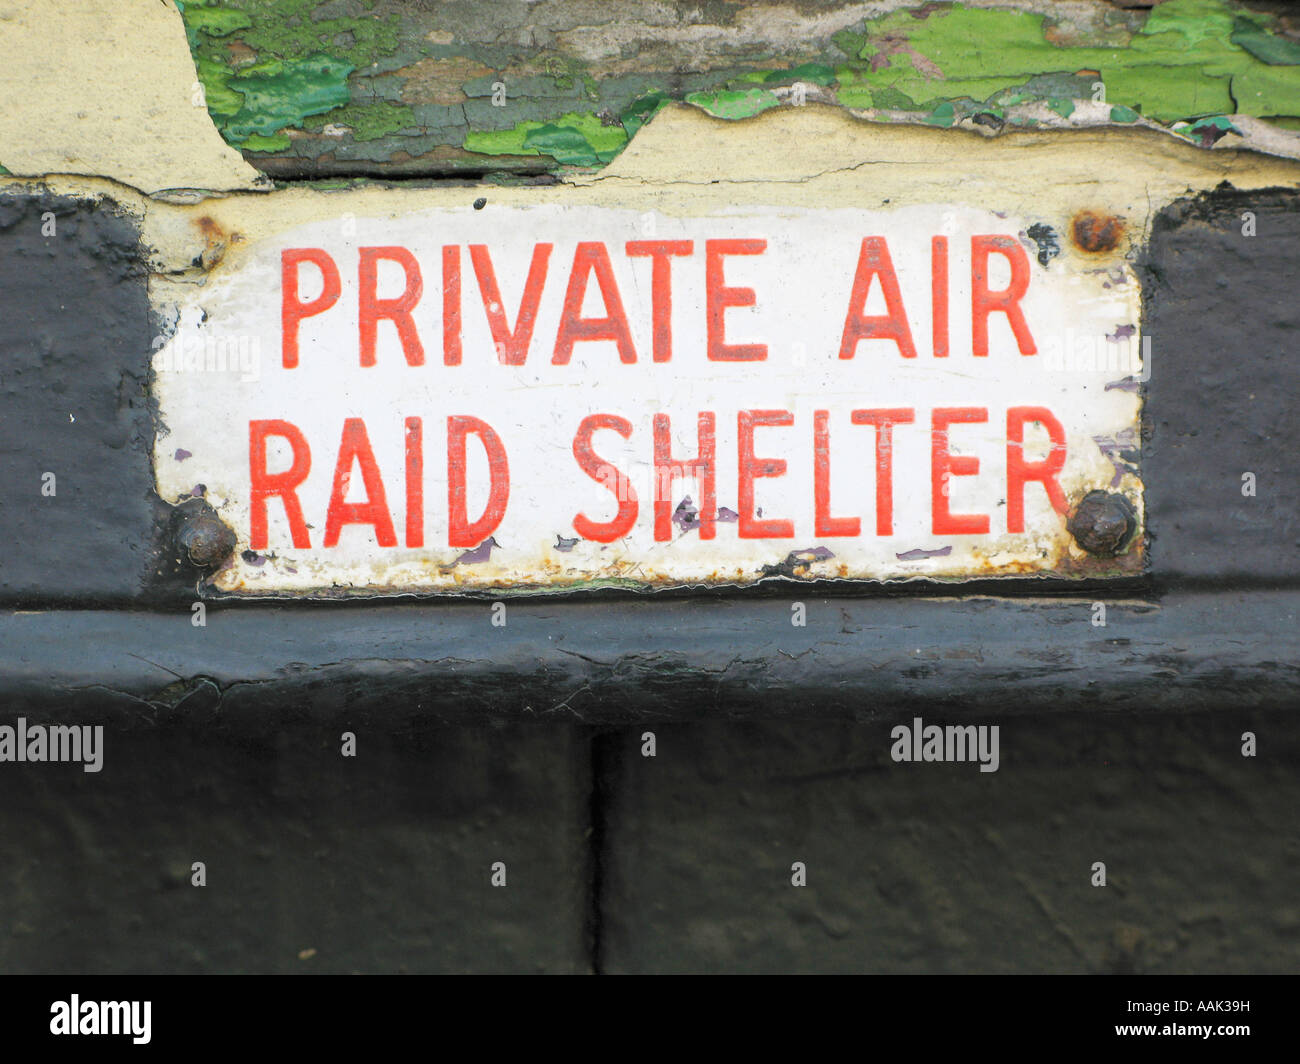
x=555 y=396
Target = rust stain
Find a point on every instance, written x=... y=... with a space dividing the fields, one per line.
x=215 y=241
x=1095 y=232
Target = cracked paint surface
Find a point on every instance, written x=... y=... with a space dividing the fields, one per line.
x=307 y=89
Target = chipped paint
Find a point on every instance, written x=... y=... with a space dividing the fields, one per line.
x=418 y=89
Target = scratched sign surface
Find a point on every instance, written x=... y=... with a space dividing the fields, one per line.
x=574 y=396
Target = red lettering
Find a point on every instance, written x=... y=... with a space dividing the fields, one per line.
x=589 y=257
x=414 y=482
x=884 y=419
x=718 y=298
x=983 y=302
x=461 y=533
x=823 y=523
x=939 y=295
x=262 y=485
x=702 y=468
x=874 y=260
x=292 y=309
x=661 y=291
x=751 y=527
x=1020 y=472
x=355 y=447
x=944 y=465
x=602 y=472
x=451 y=332
x=397 y=310
x=511 y=345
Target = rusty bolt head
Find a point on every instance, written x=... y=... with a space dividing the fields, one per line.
x=1096 y=232
x=1102 y=523
x=203 y=539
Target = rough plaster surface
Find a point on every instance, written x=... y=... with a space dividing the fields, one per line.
x=108 y=89
x=315 y=863
x=930 y=868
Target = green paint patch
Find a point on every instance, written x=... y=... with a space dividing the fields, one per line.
x=288 y=29
x=1268 y=91
x=571 y=140
x=257 y=142
x=568 y=73
x=300 y=66
x=1207 y=131
x=890 y=99
x=1181 y=64
x=371 y=121
x=1265 y=46
x=813 y=73
x=1166 y=95
x=641 y=110
x=1064 y=108
x=279 y=94
x=943 y=115
x=223 y=102
x=851 y=91
x=850 y=43
x=732 y=104
x=1123 y=114
x=578 y=144
x=203 y=16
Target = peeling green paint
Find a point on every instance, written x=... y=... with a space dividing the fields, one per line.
x=572 y=140
x=1206 y=131
x=640 y=111
x=201 y=16
x=257 y=142
x=370 y=69
x=289 y=75
x=734 y=104
x=279 y=94
x=1264 y=46
x=366 y=122
x=943 y=115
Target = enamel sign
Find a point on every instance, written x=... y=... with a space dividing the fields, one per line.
x=557 y=396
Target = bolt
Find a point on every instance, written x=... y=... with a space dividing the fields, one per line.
x=1096 y=232
x=201 y=537
x=1102 y=523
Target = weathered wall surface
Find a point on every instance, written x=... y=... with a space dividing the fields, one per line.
x=941 y=868
x=313 y=862
x=395 y=87
x=154 y=143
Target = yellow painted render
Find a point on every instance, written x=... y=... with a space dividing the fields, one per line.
x=688 y=163
x=107 y=88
